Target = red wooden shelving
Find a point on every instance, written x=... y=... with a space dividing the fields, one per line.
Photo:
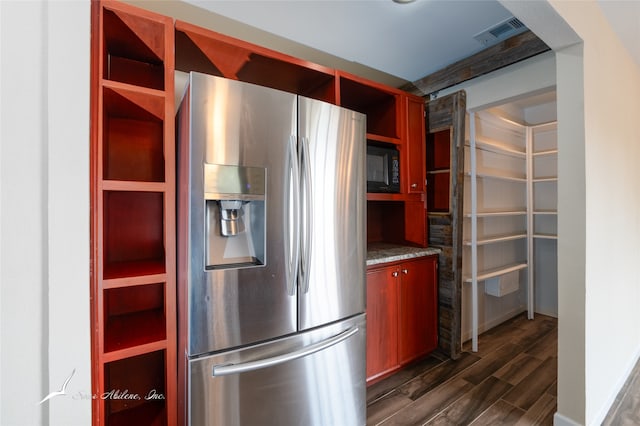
x=133 y=217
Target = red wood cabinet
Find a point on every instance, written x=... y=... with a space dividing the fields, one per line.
x=402 y=314
x=415 y=159
x=133 y=275
x=382 y=321
x=133 y=216
x=417 y=308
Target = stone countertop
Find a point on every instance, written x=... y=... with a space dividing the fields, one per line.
x=385 y=252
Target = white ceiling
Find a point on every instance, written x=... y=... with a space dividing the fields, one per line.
x=408 y=41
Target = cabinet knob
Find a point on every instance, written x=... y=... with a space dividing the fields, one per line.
x=405 y=271
x=394 y=274
x=414 y=185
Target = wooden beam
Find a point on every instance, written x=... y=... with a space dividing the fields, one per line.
x=507 y=52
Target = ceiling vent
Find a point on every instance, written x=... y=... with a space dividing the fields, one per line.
x=502 y=30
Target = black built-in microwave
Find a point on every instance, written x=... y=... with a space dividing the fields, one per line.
x=383 y=169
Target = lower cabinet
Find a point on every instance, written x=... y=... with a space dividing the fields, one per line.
x=402 y=314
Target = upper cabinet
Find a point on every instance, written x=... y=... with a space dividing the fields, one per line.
x=415 y=140
x=209 y=52
x=394 y=118
x=381 y=105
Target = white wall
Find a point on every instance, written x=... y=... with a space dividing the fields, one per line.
x=531 y=76
x=44 y=212
x=612 y=152
x=599 y=204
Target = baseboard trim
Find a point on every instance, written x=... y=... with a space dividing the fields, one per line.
x=488 y=325
x=606 y=407
x=560 y=420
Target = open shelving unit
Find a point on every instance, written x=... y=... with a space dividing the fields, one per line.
x=497 y=236
x=543 y=212
x=133 y=216
x=512 y=198
x=394 y=118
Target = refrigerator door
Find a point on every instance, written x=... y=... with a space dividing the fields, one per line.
x=241 y=278
x=312 y=378
x=332 y=146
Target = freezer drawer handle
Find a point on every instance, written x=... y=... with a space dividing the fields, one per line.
x=226 y=369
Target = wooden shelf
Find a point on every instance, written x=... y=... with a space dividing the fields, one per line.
x=381 y=196
x=383 y=139
x=132 y=272
x=149 y=413
x=141 y=349
x=135 y=274
x=133 y=186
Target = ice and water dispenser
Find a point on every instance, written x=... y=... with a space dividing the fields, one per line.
x=235 y=216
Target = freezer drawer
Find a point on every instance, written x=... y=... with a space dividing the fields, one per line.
x=312 y=378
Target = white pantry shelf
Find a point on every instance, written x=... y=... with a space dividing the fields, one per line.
x=499 y=213
x=499 y=239
x=496 y=272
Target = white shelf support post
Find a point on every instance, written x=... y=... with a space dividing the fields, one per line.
x=530 y=224
x=474 y=233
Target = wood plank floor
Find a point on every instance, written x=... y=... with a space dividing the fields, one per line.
x=511 y=380
x=625 y=410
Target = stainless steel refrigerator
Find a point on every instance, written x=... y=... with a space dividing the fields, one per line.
x=272 y=211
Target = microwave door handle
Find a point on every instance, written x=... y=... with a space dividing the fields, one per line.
x=291 y=222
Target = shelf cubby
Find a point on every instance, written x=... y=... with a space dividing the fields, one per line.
x=134 y=315
x=133 y=232
x=438 y=191
x=133 y=141
x=439 y=150
x=133 y=49
x=380 y=106
x=209 y=52
x=438 y=155
x=135 y=390
x=385 y=221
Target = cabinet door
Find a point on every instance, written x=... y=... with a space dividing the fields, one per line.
x=415 y=146
x=382 y=321
x=417 y=326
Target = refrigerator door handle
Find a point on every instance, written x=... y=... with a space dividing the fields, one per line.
x=227 y=369
x=291 y=216
x=307 y=213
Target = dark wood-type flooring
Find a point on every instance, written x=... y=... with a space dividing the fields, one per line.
x=510 y=380
x=625 y=410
